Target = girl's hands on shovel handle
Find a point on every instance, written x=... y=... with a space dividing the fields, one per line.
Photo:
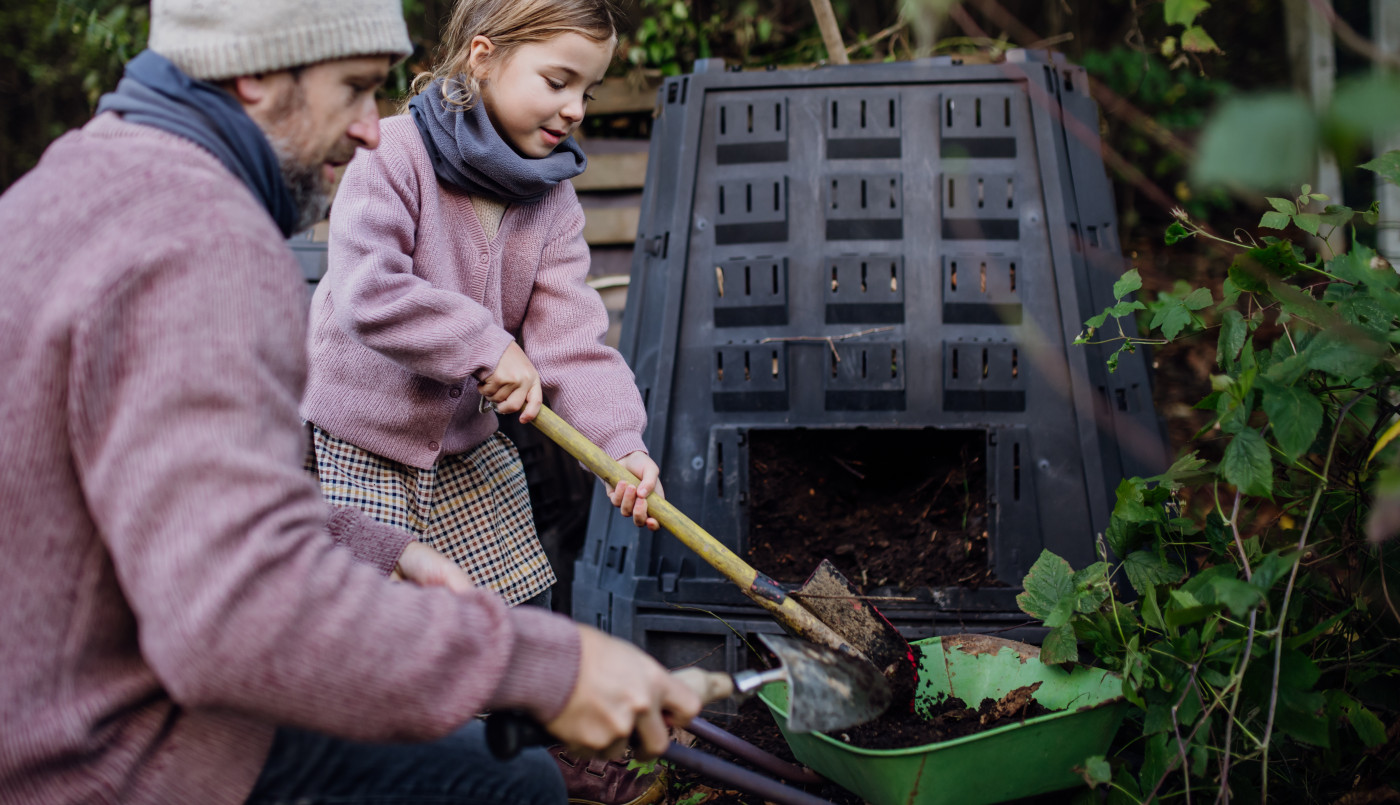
x=632 y=500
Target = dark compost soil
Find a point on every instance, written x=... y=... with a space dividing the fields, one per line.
x=890 y=508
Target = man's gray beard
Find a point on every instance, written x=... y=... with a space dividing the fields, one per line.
x=309 y=195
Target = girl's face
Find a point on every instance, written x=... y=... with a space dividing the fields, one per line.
x=536 y=98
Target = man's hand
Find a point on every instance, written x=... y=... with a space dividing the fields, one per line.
x=426 y=567
x=620 y=691
x=632 y=500
x=515 y=385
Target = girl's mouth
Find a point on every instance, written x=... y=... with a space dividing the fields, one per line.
x=551 y=136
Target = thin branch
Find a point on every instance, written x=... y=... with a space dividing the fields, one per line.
x=1239 y=544
x=1355 y=42
x=1292 y=579
x=829 y=339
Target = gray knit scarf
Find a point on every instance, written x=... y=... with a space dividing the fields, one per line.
x=469 y=155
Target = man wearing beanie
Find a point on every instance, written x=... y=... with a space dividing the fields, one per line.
x=183 y=619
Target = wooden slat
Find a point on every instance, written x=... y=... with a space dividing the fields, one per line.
x=611 y=225
x=621 y=171
x=623 y=95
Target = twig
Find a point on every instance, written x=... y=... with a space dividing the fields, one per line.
x=1292 y=579
x=890 y=31
x=1380 y=556
x=848 y=468
x=1349 y=37
x=829 y=339
x=1239 y=544
x=1223 y=796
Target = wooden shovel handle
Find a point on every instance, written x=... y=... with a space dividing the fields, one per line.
x=763 y=590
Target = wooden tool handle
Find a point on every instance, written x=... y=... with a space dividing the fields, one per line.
x=761 y=589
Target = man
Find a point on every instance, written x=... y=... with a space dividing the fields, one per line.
x=182 y=617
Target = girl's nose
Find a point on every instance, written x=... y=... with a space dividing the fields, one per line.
x=573 y=110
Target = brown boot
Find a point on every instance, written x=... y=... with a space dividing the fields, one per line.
x=603 y=782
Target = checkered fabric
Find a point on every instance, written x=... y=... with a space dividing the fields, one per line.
x=473 y=507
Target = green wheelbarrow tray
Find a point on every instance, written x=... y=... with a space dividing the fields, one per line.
x=1017 y=760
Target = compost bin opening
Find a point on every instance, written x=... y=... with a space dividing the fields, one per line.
x=893 y=509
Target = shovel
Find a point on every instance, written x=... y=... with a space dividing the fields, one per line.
x=827 y=690
x=834 y=614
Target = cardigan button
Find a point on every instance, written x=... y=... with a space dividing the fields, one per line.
x=433 y=446
x=454 y=392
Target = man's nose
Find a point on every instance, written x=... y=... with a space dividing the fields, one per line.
x=365 y=128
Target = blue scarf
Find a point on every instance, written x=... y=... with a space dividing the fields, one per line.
x=468 y=153
x=153 y=92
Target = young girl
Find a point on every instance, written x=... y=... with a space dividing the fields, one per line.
x=457 y=281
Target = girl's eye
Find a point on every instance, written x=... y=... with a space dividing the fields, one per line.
x=555 y=85
x=588 y=97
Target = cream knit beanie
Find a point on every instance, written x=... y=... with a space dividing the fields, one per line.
x=215 y=39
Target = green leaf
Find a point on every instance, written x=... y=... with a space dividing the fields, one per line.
x=1183 y=608
x=1130 y=506
x=1233 y=332
x=1145 y=569
x=1151 y=611
x=1198 y=299
x=1270 y=568
x=1345 y=352
x=1260 y=140
x=1049 y=582
x=1196 y=40
x=1125 y=308
x=1184 y=467
x=1176 y=232
x=1251 y=270
x=1171 y=318
x=1097 y=771
x=1362 y=107
x=1236 y=595
x=1275 y=220
x=1246 y=463
x=1308 y=222
x=1157 y=719
x=1296 y=417
x=1126 y=284
x=1387 y=165
x=1368 y=728
x=1183 y=12
x=1282 y=205
x=1059 y=647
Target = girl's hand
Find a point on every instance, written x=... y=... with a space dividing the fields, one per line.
x=632 y=500
x=514 y=386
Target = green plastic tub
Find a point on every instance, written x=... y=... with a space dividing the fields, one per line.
x=1016 y=760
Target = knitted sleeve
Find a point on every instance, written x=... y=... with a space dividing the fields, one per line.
x=185 y=381
x=587 y=382
x=379 y=299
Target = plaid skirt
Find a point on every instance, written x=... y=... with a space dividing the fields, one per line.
x=473 y=507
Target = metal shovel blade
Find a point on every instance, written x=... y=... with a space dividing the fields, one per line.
x=836 y=602
x=827 y=690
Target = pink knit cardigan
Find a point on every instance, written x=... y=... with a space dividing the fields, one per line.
x=418 y=305
x=171 y=589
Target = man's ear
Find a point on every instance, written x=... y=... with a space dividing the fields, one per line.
x=250 y=90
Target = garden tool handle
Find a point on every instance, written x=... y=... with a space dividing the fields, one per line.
x=762 y=590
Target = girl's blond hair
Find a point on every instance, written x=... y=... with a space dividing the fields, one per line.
x=509 y=24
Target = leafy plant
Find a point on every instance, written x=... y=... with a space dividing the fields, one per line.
x=1252 y=623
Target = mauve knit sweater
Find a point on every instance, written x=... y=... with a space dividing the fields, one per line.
x=170 y=588
x=417 y=301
